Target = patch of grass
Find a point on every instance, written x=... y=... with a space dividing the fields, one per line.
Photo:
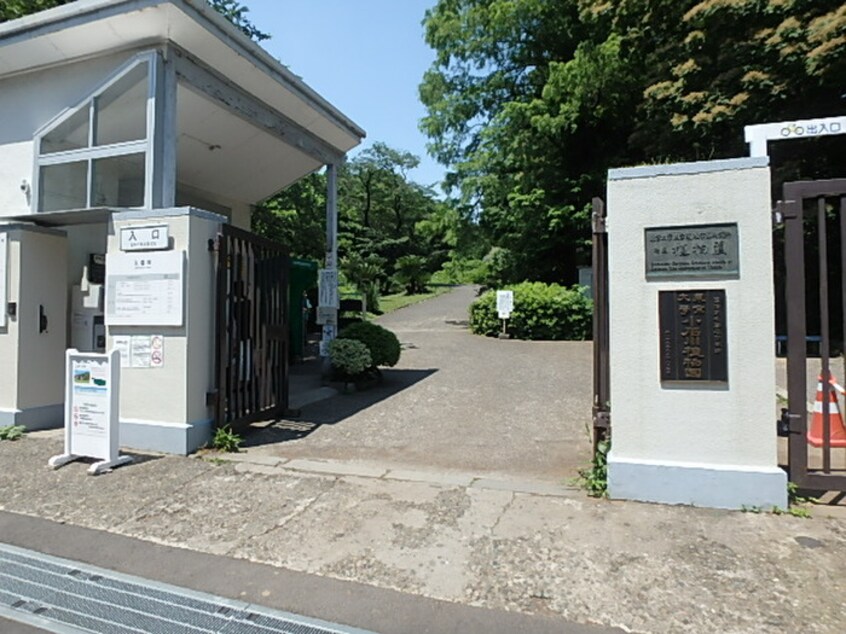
x=797 y=505
x=12 y=432
x=594 y=479
x=389 y=303
x=226 y=440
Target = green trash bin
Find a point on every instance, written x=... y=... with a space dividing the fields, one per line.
x=303 y=277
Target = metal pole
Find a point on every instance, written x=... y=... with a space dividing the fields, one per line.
x=330 y=331
x=331 y=216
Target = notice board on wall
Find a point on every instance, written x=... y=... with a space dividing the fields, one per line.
x=145 y=289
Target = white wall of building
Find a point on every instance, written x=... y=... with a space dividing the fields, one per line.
x=31 y=360
x=711 y=445
x=28 y=102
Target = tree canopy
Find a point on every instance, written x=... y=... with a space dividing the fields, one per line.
x=531 y=101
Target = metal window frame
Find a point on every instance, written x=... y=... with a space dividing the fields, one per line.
x=91 y=153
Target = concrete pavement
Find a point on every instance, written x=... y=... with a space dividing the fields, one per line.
x=420 y=492
x=456 y=402
x=643 y=568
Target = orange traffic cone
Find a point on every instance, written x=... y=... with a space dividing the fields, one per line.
x=836 y=430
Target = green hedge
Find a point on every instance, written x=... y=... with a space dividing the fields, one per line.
x=541 y=311
x=383 y=344
x=349 y=357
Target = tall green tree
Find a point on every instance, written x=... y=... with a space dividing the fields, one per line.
x=531 y=101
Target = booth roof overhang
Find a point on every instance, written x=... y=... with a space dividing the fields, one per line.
x=227 y=151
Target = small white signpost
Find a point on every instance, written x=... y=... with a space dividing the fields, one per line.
x=504 y=306
x=91 y=411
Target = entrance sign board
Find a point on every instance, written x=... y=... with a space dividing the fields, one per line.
x=4 y=298
x=327 y=315
x=154 y=238
x=710 y=251
x=91 y=410
x=504 y=303
x=758 y=135
x=693 y=335
x=145 y=289
x=328 y=288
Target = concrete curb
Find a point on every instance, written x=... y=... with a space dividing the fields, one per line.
x=271 y=465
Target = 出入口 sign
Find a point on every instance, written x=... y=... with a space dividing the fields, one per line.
x=693 y=335
x=693 y=251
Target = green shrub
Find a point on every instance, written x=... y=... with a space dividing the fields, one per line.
x=350 y=357
x=541 y=311
x=226 y=440
x=383 y=344
x=498 y=268
x=459 y=271
x=411 y=274
x=12 y=432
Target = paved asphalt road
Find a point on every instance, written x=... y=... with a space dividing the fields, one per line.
x=357 y=605
x=457 y=401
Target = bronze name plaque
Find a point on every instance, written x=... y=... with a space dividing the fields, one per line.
x=693 y=335
x=693 y=251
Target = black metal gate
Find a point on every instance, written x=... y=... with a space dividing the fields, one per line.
x=601 y=332
x=815 y=210
x=251 y=356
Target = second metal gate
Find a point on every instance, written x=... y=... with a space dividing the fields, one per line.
x=252 y=329
x=601 y=333
x=821 y=467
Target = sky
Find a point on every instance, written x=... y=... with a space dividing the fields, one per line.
x=367 y=57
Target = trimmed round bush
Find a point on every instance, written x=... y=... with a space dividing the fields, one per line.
x=383 y=344
x=349 y=356
x=541 y=312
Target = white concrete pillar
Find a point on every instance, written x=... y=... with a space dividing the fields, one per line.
x=165 y=408
x=690 y=441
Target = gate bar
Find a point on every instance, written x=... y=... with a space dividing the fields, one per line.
x=601 y=357
x=794 y=253
x=822 y=237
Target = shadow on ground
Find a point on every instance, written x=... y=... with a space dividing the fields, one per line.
x=334 y=410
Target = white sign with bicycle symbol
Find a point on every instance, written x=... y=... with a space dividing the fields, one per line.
x=758 y=135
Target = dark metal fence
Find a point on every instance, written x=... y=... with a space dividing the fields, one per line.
x=601 y=358
x=802 y=221
x=252 y=329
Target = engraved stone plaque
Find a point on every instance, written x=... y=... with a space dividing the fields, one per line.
x=692 y=251
x=693 y=335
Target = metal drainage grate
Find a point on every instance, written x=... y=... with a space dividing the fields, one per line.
x=68 y=597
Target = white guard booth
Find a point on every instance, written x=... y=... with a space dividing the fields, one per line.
x=691 y=335
x=157 y=116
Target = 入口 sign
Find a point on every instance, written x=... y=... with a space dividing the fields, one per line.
x=154 y=238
